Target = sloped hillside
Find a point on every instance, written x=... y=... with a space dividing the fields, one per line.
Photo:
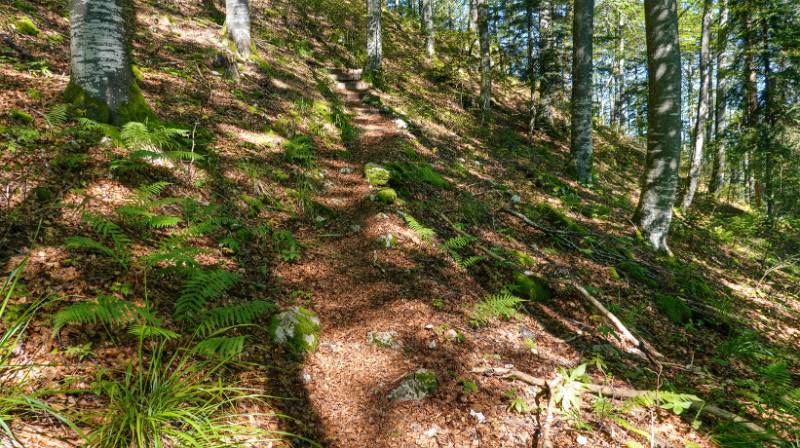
x=423 y=253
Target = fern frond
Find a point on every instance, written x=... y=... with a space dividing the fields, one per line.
x=147 y=331
x=425 y=233
x=57 y=115
x=163 y=221
x=107 y=310
x=221 y=346
x=86 y=243
x=468 y=262
x=149 y=191
x=179 y=256
x=502 y=305
x=232 y=315
x=187 y=156
x=458 y=242
x=107 y=229
x=201 y=287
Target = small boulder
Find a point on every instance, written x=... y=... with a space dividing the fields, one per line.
x=297 y=328
x=387 y=339
x=415 y=386
x=376 y=174
x=388 y=240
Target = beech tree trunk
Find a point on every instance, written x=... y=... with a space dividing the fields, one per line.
x=581 y=138
x=237 y=25
x=486 y=59
x=101 y=79
x=427 y=25
x=659 y=183
x=703 y=102
x=374 y=38
x=619 y=75
x=720 y=123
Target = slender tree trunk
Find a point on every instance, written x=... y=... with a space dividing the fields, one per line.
x=101 y=80
x=703 y=101
x=532 y=78
x=473 y=16
x=659 y=183
x=427 y=25
x=619 y=103
x=766 y=139
x=486 y=59
x=581 y=141
x=374 y=37
x=547 y=63
x=237 y=25
x=720 y=123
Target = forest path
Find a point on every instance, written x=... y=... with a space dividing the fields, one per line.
x=358 y=286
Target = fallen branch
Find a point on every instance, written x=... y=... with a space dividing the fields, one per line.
x=644 y=351
x=624 y=392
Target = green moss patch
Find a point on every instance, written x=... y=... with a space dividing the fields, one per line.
x=675 y=309
x=532 y=287
x=24 y=25
x=297 y=329
x=376 y=174
x=387 y=195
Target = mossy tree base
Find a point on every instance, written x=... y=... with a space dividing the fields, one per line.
x=134 y=109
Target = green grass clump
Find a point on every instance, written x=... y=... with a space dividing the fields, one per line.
x=300 y=149
x=25 y=25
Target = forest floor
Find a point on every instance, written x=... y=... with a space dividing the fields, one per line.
x=394 y=288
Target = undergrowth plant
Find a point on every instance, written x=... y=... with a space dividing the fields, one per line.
x=498 y=306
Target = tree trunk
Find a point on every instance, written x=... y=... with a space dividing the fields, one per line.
x=532 y=78
x=619 y=75
x=581 y=141
x=703 y=101
x=486 y=59
x=659 y=182
x=374 y=38
x=237 y=25
x=473 y=16
x=720 y=123
x=766 y=139
x=427 y=25
x=547 y=63
x=101 y=80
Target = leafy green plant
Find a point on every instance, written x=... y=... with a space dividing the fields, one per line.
x=425 y=233
x=108 y=311
x=502 y=306
x=153 y=145
x=202 y=286
x=116 y=247
x=286 y=245
x=570 y=387
x=141 y=207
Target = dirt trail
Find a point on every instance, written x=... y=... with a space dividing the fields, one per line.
x=357 y=287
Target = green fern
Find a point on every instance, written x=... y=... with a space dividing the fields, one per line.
x=425 y=233
x=221 y=346
x=468 y=262
x=458 y=242
x=57 y=115
x=174 y=256
x=150 y=331
x=502 y=305
x=118 y=250
x=202 y=287
x=233 y=315
x=107 y=310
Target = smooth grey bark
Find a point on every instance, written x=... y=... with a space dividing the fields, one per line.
x=100 y=60
x=486 y=59
x=581 y=137
x=548 y=72
x=720 y=166
x=473 y=16
x=703 y=103
x=427 y=25
x=374 y=37
x=237 y=25
x=660 y=180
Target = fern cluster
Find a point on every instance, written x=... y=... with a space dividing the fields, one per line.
x=457 y=243
x=201 y=287
x=108 y=311
x=502 y=306
x=153 y=144
x=115 y=242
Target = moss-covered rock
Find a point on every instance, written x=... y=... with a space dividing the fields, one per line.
x=532 y=287
x=376 y=174
x=416 y=386
x=386 y=195
x=297 y=328
x=24 y=25
x=675 y=309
